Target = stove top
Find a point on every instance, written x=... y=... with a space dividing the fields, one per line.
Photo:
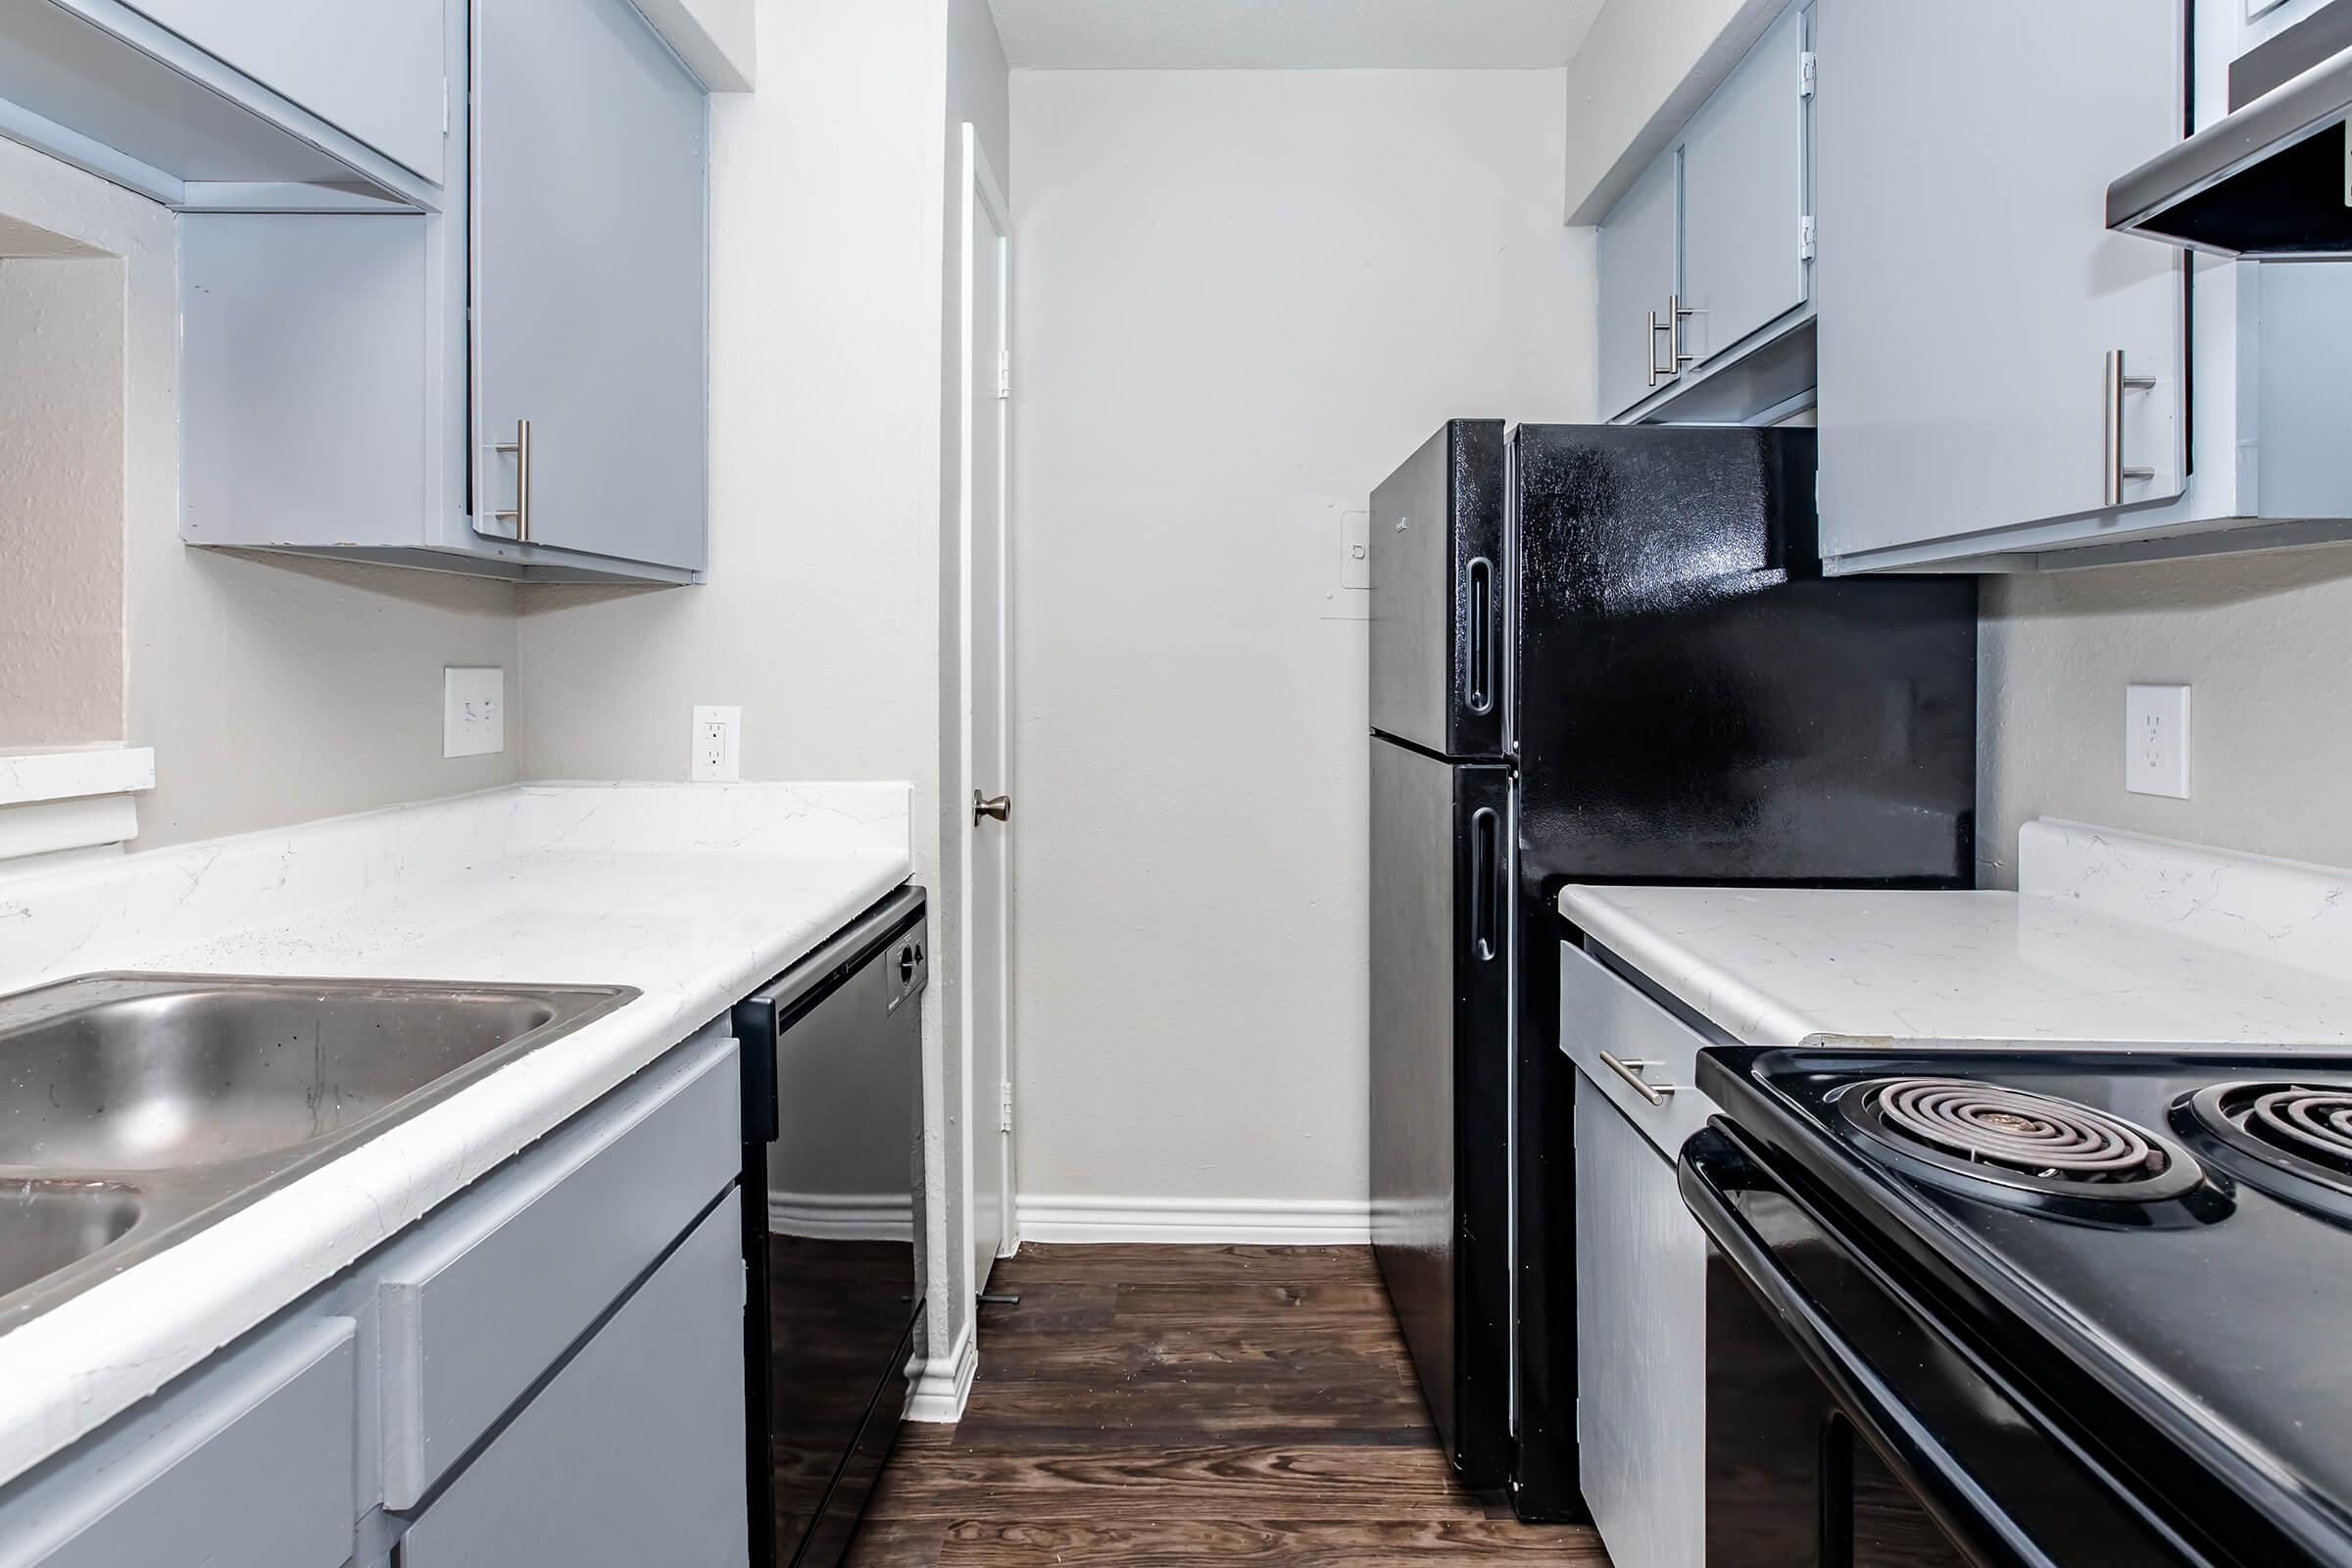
x=2160 y=1243
x=2013 y=1139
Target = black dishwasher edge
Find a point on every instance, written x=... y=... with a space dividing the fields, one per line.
x=797 y=990
x=829 y=1535
x=758 y=1022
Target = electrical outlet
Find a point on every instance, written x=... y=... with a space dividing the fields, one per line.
x=2156 y=741
x=474 y=711
x=718 y=745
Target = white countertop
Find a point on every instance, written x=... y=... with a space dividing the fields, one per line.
x=692 y=894
x=2113 y=937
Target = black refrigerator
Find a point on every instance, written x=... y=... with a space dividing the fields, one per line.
x=1600 y=653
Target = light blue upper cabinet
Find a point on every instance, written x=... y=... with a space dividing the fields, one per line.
x=1713 y=242
x=1991 y=355
x=234 y=105
x=373 y=67
x=335 y=399
x=1635 y=256
x=589 y=229
x=1745 y=250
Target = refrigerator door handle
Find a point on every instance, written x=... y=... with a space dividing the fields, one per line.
x=1481 y=635
x=1485 y=883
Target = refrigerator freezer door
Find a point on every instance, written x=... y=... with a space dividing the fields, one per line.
x=1440 y=1041
x=1441 y=600
x=1697 y=704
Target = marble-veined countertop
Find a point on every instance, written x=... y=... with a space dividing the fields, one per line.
x=2112 y=936
x=694 y=895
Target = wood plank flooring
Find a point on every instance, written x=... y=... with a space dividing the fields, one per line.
x=1158 y=1405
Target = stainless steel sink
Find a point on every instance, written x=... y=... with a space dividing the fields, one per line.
x=135 y=1109
x=46 y=1227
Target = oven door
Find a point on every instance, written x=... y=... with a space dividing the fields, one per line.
x=1847 y=1427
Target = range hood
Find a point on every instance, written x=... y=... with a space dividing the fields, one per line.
x=2271 y=179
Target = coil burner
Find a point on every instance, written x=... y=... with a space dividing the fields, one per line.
x=2010 y=1138
x=2304 y=1129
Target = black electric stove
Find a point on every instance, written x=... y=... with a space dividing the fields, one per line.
x=2074 y=1306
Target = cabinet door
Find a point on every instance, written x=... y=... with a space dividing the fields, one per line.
x=1743 y=197
x=633 y=1452
x=370 y=68
x=1635 y=260
x=1973 y=292
x=589 y=243
x=246 y=1461
x=1640 y=1345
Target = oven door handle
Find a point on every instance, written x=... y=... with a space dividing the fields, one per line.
x=1714 y=1166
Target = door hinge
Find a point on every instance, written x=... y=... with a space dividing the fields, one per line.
x=444 y=106
x=1004 y=1107
x=1003 y=373
x=1804 y=238
x=1807 y=75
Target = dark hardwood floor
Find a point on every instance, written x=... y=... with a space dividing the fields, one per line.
x=1156 y=1405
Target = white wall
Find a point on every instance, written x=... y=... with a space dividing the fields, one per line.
x=2263 y=640
x=819 y=618
x=1241 y=300
x=824 y=616
x=271 y=690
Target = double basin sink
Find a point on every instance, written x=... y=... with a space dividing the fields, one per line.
x=136 y=1108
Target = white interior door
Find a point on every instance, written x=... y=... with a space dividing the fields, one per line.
x=986 y=432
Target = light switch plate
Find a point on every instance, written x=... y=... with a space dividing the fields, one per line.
x=2156 y=741
x=474 y=711
x=1355 y=550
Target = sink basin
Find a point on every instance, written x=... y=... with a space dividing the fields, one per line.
x=44 y=1228
x=134 y=1108
x=144 y=1076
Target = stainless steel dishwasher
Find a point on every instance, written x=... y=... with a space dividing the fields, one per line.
x=832 y=1106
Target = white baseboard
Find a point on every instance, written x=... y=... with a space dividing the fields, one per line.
x=944 y=1383
x=843 y=1216
x=1272 y=1221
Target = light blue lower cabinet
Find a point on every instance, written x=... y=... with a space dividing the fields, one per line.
x=546 y=1370
x=249 y=1460
x=618 y=1464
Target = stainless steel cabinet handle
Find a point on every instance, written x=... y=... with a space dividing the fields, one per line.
x=2115 y=475
x=521 y=512
x=998 y=806
x=1675 y=312
x=1657 y=372
x=1631 y=1072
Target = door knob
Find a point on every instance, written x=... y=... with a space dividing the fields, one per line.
x=998 y=806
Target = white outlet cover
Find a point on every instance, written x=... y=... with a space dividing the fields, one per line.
x=716 y=754
x=2156 y=741
x=474 y=711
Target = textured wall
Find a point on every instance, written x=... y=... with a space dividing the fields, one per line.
x=273 y=690
x=61 y=497
x=2265 y=640
x=1241 y=297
